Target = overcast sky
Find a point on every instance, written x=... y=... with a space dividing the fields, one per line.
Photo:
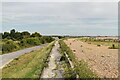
x=75 y=18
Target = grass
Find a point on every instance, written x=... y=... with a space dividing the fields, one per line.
x=104 y=43
x=56 y=68
x=84 y=71
x=29 y=65
x=55 y=74
x=80 y=67
x=65 y=63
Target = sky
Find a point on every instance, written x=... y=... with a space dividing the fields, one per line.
x=62 y=18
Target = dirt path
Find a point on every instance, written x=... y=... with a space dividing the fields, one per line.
x=54 y=69
x=101 y=60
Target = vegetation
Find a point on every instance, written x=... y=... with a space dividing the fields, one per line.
x=18 y=40
x=18 y=35
x=98 y=45
x=29 y=65
x=80 y=67
x=113 y=47
x=105 y=42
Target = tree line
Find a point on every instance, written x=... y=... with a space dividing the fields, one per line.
x=15 y=35
x=14 y=40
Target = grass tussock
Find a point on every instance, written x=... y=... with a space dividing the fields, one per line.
x=29 y=65
x=80 y=67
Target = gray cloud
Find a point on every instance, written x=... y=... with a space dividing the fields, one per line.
x=95 y=15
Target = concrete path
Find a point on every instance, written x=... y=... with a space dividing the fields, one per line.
x=53 y=70
x=6 y=58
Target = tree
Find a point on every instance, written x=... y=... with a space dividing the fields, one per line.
x=25 y=34
x=6 y=35
x=12 y=31
x=18 y=36
x=12 y=34
x=36 y=34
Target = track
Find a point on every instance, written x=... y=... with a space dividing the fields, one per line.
x=54 y=69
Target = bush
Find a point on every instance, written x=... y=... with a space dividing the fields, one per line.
x=89 y=43
x=98 y=45
x=30 y=41
x=8 y=47
x=23 y=42
x=33 y=41
x=47 y=39
x=42 y=40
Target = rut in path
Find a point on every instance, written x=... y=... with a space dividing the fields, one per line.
x=54 y=69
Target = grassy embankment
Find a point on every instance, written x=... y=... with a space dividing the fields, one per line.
x=9 y=45
x=29 y=65
x=80 y=67
x=110 y=43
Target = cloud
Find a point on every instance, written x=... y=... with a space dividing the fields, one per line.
x=60 y=0
x=81 y=15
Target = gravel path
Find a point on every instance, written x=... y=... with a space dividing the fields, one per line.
x=6 y=58
x=54 y=69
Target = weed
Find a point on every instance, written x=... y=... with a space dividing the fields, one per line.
x=82 y=51
x=16 y=59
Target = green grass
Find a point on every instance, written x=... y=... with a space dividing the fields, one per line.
x=84 y=71
x=29 y=65
x=56 y=68
x=80 y=67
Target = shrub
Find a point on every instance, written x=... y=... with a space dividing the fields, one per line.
x=33 y=41
x=9 y=42
x=89 y=43
x=98 y=45
x=42 y=40
x=30 y=41
x=23 y=42
x=48 y=39
x=113 y=45
x=8 y=47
